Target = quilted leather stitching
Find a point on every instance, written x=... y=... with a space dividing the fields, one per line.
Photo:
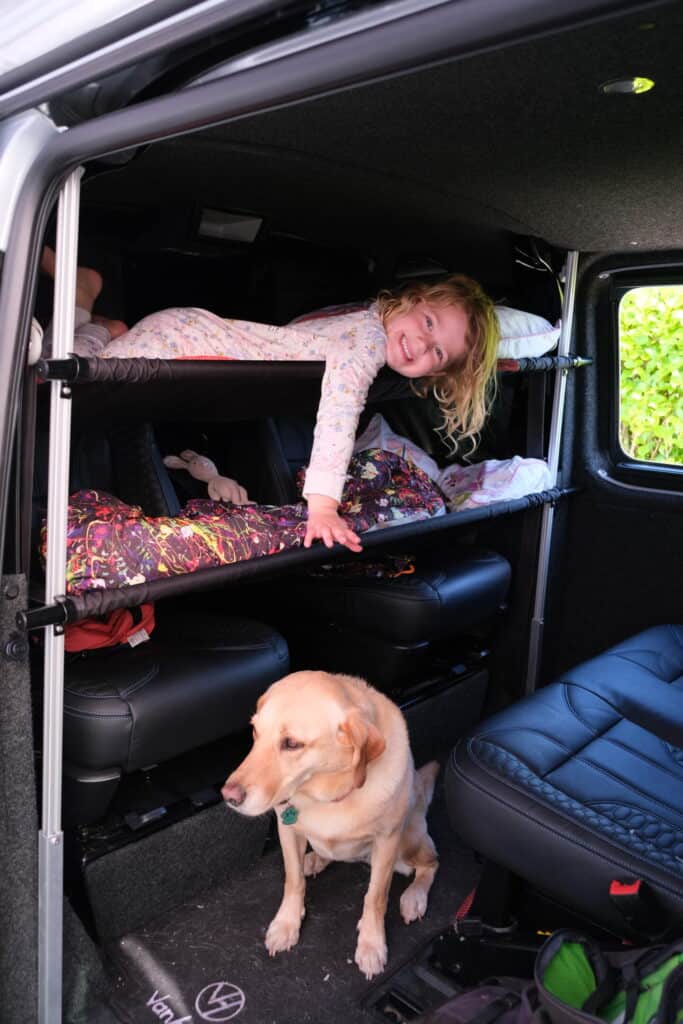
x=574 y=754
x=650 y=828
x=584 y=842
x=508 y=766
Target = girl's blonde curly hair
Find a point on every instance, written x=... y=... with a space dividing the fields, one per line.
x=466 y=388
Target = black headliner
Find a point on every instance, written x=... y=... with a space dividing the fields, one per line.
x=517 y=139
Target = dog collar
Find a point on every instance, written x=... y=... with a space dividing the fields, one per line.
x=291 y=813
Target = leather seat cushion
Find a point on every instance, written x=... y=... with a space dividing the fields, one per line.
x=448 y=592
x=582 y=782
x=196 y=680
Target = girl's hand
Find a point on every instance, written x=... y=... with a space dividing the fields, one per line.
x=324 y=522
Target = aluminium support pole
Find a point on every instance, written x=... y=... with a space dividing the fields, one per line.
x=554 y=446
x=50 y=837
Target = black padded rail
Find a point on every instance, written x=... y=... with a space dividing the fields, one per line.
x=218 y=390
x=158 y=389
x=83 y=369
x=102 y=602
x=542 y=364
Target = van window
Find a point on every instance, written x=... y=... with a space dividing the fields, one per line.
x=651 y=373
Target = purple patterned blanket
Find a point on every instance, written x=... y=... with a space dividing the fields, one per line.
x=111 y=544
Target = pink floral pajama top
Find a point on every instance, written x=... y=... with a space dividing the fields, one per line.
x=353 y=347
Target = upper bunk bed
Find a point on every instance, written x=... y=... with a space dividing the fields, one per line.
x=90 y=390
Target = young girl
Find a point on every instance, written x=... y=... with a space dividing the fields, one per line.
x=443 y=336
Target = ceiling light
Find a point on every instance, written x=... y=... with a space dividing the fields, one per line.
x=229 y=227
x=627 y=86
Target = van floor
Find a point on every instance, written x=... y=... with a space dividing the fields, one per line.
x=205 y=960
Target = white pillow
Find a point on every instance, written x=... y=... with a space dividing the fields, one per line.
x=523 y=335
x=493 y=480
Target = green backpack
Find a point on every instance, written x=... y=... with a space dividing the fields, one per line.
x=579 y=982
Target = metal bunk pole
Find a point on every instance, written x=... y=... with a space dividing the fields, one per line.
x=50 y=837
x=554 y=445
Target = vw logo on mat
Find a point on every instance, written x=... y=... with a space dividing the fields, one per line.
x=219 y=1001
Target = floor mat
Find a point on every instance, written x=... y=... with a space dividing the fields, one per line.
x=206 y=960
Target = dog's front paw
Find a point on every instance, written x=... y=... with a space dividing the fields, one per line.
x=413 y=904
x=371 y=957
x=282 y=934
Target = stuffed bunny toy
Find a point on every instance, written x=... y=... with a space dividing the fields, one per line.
x=221 y=488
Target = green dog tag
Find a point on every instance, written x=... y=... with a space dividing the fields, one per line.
x=289 y=815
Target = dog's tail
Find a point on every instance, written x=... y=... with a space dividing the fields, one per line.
x=425 y=782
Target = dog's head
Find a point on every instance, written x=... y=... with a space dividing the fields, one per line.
x=314 y=734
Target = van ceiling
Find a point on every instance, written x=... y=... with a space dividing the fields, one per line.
x=517 y=139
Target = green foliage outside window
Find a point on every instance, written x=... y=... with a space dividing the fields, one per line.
x=651 y=355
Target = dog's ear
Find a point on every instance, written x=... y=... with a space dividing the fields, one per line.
x=366 y=740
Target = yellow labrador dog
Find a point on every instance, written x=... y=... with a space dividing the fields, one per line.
x=331 y=756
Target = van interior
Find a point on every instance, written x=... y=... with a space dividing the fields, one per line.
x=559 y=725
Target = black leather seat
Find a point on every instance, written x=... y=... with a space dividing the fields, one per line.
x=582 y=783
x=195 y=681
x=388 y=627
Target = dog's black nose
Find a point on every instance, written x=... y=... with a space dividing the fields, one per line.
x=233 y=793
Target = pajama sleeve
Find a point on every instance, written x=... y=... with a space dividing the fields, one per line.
x=353 y=360
x=89 y=339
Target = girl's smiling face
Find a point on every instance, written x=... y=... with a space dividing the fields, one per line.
x=426 y=340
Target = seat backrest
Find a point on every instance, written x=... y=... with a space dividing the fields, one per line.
x=124 y=462
x=140 y=476
x=264 y=456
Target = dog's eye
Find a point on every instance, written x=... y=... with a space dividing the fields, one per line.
x=289 y=744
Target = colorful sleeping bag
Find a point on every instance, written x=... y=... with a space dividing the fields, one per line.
x=111 y=544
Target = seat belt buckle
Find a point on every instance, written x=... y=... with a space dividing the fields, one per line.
x=468 y=927
x=637 y=905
